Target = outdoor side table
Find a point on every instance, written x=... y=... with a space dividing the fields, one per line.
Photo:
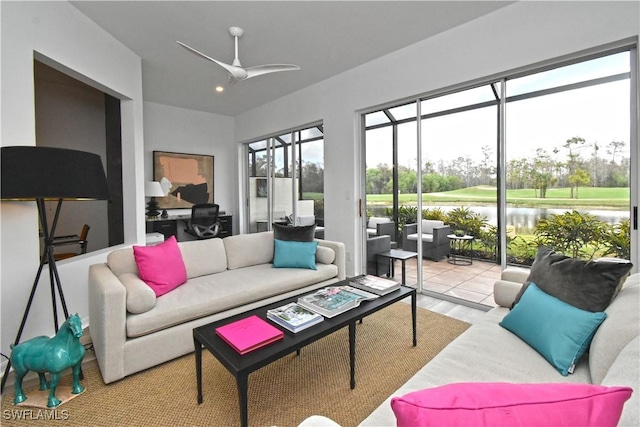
x=458 y=244
x=397 y=254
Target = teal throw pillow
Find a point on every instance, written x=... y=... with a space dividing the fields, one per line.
x=292 y=254
x=558 y=331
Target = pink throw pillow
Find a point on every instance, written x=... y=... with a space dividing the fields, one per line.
x=507 y=404
x=161 y=266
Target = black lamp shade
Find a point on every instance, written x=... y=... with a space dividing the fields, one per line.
x=30 y=173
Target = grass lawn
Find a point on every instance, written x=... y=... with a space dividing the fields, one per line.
x=611 y=198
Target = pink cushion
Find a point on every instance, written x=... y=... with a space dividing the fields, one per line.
x=506 y=404
x=161 y=266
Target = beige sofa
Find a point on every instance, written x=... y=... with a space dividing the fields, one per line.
x=487 y=352
x=133 y=330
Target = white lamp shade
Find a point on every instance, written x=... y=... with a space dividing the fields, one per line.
x=153 y=189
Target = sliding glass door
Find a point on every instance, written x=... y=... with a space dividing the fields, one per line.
x=285 y=180
x=538 y=158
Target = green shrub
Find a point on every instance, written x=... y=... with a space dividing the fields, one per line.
x=618 y=240
x=464 y=219
x=572 y=233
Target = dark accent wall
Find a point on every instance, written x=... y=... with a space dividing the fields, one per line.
x=114 y=169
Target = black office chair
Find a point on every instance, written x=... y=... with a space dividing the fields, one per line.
x=204 y=222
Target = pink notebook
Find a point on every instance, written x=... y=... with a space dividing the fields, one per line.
x=249 y=334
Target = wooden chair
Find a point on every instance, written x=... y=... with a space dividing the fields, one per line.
x=74 y=239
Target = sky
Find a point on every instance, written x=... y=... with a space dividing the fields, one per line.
x=599 y=114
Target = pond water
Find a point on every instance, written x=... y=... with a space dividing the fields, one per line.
x=527 y=218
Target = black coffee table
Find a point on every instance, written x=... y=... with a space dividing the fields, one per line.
x=242 y=365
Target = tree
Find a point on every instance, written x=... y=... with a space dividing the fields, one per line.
x=312 y=177
x=579 y=177
x=541 y=173
x=407 y=180
x=378 y=178
x=573 y=145
x=613 y=148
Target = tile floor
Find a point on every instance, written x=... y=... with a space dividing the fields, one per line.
x=472 y=283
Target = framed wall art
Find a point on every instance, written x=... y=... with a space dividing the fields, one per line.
x=261 y=187
x=187 y=179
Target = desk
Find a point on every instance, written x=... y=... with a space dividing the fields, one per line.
x=171 y=226
x=397 y=254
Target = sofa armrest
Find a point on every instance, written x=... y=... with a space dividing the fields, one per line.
x=515 y=274
x=107 y=320
x=504 y=292
x=340 y=261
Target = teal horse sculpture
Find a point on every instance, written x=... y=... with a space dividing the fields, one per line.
x=43 y=354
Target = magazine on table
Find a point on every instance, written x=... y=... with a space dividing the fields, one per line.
x=334 y=300
x=377 y=285
x=294 y=317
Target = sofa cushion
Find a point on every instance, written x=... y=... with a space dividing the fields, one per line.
x=292 y=254
x=429 y=224
x=245 y=250
x=161 y=266
x=305 y=233
x=140 y=297
x=557 y=330
x=507 y=404
x=621 y=327
x=587 y=285
x=202 y=257
x=425 y=237
x=625 y=371
x=325 y=255
x=214 y=293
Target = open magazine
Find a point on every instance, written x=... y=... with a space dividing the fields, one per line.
x=334 y=300
x=375 y=284
x=294 y=317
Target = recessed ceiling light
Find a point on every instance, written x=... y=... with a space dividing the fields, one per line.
x=219 y=88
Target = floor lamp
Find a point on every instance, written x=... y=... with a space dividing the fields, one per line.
x=49 y=174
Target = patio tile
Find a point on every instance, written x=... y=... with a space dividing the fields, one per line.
x=435 y=287
x=468 y=282
x=476 y=286
x=451 y=280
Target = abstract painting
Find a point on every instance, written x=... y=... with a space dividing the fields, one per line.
x=187 y=179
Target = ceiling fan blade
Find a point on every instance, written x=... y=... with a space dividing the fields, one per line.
x=235 y=72
x=270 y=68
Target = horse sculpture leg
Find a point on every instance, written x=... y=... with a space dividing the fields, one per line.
x=53 y=401
x=44 y=384
x=19 y=396
x=77 y=376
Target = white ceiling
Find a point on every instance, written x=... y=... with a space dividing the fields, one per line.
x=324 y=38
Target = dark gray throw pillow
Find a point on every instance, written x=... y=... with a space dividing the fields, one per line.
x=587 y=285
x=303 y=233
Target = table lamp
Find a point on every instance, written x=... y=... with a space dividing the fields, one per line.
x=153 y=189
x=49 y=174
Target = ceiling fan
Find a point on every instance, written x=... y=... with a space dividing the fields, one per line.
x=235 y=70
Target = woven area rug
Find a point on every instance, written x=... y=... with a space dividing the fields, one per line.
x=281 y=394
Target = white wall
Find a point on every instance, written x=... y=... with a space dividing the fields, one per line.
x=516 y=36
x=175 y=129
x=59 y=35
